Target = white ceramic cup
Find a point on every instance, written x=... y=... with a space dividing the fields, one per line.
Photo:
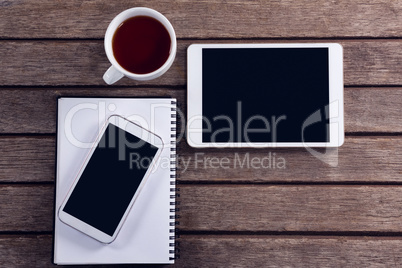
x=116 y=72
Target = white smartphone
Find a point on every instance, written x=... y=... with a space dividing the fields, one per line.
x=265 y=95
x=110 y=179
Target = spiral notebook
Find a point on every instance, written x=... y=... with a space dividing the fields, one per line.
x=148 y=234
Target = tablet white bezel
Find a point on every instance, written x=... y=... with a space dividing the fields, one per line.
x=135 y=130
x=194 y=96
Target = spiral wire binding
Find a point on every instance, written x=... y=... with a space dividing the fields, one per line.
x=173 y=245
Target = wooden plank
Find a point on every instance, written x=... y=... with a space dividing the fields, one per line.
x=70 y=63
x=366 y=109
x=27 y=159
x=290 y=208
x=208 y=19
x=237 y=251
x=26 y=251
x=244 y=208
x=366 y=62
x=36 y=108
x=277 y=251
x=360 y=159
x=373 y=159
x=371 y=109
x=26 y=208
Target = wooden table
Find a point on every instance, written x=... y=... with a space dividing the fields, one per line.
x=308 y=214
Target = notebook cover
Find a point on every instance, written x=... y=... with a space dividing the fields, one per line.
x=147 y=236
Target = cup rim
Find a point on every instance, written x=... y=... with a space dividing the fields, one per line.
x=117 y=20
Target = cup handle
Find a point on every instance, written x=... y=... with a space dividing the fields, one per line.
x=112 y=75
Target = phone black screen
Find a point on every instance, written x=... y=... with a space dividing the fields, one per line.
x=264 y=94
x=110 y=179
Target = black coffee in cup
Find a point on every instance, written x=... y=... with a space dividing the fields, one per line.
x=141 y=44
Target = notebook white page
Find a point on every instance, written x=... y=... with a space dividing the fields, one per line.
x=146 y=235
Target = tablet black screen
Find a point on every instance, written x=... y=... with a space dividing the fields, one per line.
x=264 y=94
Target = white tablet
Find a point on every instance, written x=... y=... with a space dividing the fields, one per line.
x=265 y=95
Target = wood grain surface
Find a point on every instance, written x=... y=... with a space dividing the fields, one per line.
x=26 y=251
x=27 y=159
x=299 y=251
x=374 y=159
x=373 y=109
x=240 y=208
x=41 y=104
x=366 y=109
x=26 y=208
x=208 y=18
x=366 y=62
x=291 y=208
x=245 y=211
x=360 y=159
x=237 y=251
